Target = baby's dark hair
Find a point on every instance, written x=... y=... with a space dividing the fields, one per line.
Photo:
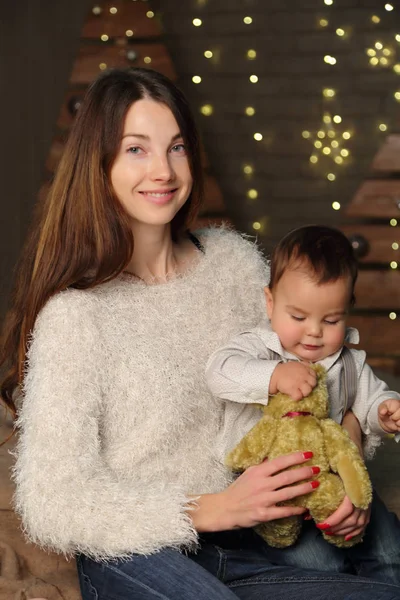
x=325 y=250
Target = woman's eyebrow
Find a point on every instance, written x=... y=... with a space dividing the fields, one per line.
x=147 y=137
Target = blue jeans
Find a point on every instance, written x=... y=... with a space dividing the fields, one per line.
x=378 y=556
x=228 y=566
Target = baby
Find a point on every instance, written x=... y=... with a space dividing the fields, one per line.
x=311 y=290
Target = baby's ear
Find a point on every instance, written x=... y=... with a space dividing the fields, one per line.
x=269 y=301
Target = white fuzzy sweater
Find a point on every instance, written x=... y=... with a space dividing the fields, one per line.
x=117 y=425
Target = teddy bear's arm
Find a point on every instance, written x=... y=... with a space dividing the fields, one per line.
x=344 y=459
x=254 y=447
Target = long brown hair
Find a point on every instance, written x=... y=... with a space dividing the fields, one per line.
x=81 y=236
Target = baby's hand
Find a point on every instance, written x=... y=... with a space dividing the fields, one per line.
x=389 y=415
x=296 y=379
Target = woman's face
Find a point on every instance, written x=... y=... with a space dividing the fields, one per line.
x=151 y=175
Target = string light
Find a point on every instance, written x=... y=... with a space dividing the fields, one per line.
x=336 y=205
x=329 y=92
x=397 y=96
x=396 y=68
x=327 y=141
x=248 y=170
x=251 y=54
x=330 y=60
x=253 y=78
x=250 y=111
x=206 y=110
x=208 y=54
x=379 y=55
x=97 y=10
x=340 y=32
x=247 y=20
x=332 y=177
x=375 y=19
x=397 y=38
x=393 y=222
x=149 y=14
x=389 y=7
x=147 y=60
x=252 y=194
x=393 y=264
x=382 y=126
x=324 y=22
x=392 y=316
x=197 y=22
x=102 y=66
x=104 y=37
x=196 y=79
x=129 y=33
x=258 y=137
x=113 y=10
x=257 y=225
x=328 y=2
x=395 y=246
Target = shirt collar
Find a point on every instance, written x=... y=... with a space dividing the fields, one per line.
x=272 y=341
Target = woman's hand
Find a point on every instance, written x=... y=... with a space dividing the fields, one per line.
x=252 y=498
x=347 y=520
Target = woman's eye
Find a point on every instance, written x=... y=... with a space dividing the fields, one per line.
x=134 y=150
x=178 y=148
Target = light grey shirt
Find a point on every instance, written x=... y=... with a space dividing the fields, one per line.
x=240 y=372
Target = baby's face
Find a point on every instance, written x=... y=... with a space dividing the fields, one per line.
x=309 y=318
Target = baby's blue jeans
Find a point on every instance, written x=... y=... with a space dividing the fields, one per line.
x=377 y=556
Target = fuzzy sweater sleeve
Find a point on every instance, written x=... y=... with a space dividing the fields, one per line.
x=69 y=499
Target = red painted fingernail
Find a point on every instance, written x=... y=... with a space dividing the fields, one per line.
x=315 y=470
x=348 y=537
x=323 y=526
x=314 y=484
x=329 y=532
x=308 y=454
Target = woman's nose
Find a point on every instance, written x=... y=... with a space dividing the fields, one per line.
x=161 y=169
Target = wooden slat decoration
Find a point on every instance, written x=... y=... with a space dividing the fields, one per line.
x=129 y=16
x=378 y=242
x=387 y=159
x=66 y=117
x=376 y=198
x=213 y=199
x=55 y=153
x=90 y=57
x=379 y=336
x=378 y=290
x=391 y=365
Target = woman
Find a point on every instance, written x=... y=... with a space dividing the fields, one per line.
x=119 y=306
